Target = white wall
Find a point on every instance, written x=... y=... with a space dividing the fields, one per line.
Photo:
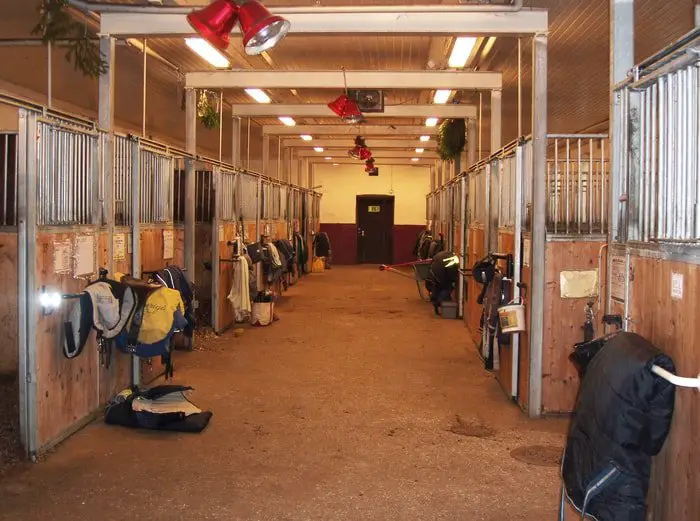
x=341 y=184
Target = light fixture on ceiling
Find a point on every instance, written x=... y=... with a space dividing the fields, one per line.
x=425 y=138
x=328 y=158
x=287 y=121
x=318 y=149
x=261 y=29
x=347 y=109
x=420 y=150
x=441 y=96
x=462 y=50
x=258 y=95
x=335 y=164
x=208 y=52
x=306 y=137
x=414 y=159
x=431 y=122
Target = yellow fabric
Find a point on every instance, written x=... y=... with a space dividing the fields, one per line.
x=318 y=265
x=158 y=315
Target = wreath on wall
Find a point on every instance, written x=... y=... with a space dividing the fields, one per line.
x=208 y=109
x=451 y=138
x=56 y=24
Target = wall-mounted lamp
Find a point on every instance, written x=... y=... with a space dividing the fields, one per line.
x=49 y=301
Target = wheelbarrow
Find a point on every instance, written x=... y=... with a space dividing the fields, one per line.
x=420 y=269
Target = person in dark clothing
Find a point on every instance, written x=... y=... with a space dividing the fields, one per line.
x=442 y=278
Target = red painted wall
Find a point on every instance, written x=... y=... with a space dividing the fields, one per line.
x=344 y=241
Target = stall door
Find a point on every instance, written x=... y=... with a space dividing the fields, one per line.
x=375 y=223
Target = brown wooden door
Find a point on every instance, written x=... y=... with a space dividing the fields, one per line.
x=375 y=225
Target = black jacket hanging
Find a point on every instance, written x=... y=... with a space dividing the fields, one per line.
x=622 y=418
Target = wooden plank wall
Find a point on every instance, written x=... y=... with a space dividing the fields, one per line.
x=225 y=310
x=524 y=358
x=563 y=323
x=9 y=347
x=672 y=325
x=472 y=315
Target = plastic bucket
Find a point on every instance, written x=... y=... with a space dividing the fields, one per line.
x=512 y=317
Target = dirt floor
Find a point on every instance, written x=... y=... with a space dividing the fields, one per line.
x=358 y=404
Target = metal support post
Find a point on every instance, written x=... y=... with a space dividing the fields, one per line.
x=266 y=155
x=496 y=120
x=236 y=142
x=539 y=232
x=190 y=181
x=106 y=120
x=279 y=158
x=135 y=238
x=517 y=262
x=463 y=245
x=471 y=142
x=215 y=250
x=622 y=61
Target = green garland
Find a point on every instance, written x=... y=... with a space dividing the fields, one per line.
x=56 y=24
x=207 y=111
x=451 y=139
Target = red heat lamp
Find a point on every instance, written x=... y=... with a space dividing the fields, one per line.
x=347 y=109
x=360 y=151
x=261 y=29
x=369 y=165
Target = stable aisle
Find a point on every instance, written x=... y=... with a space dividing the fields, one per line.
x=358 y=404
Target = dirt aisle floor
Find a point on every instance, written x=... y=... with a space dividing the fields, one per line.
x=358 y=404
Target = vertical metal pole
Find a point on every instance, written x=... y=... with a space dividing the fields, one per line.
x=487 y=209
x=539 y=201
x=190 y=180
x=622 y=61
x=236 y=142
x=279 y=158
x=28 y=312
x=106 y=118
x=517 y=261
x=520 y=87
x=496 y=105
x=463 y=244
x=481 y=123
x=215 y=250
x=247 y=160
x=145 y=86
x=471 y=143
x=221 y=125
x=135 y=237
x=49 y=49
x=265 y=170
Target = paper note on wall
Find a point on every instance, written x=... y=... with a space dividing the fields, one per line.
x=168 y=244
x=526 y=251
x=62 y=256
x=222 y=238
x=618 y=277
x=677 y=286
x=84 y=255
x=578 y=284
x=119 y=247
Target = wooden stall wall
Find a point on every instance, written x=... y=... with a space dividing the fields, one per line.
x=9 y=347
x=225 y=311
x=671 y=324
x=68 y=391
x=472 y=315
x=563 y=325
x=524 y=358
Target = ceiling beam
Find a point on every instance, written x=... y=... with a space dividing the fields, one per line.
x=350 y=130
x=347 y=143
x=330 y=79
x=379 y=162
x=396 y=20
x=376 y=154
x=320 y=110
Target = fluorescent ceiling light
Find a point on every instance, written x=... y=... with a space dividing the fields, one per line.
x=420 y=150
x=414 y=159
x=306 y=137
x=287 y=121
x=425 y=138
x=335 y=164
x=462 y=50
x=441 y=96
x=329 y=157
x=431 y=122
x=318 y=149
x=207 y=52
x=258 y=95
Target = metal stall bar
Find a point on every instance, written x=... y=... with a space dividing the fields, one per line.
x=517 y=260
x=135 y=237
x=216 y=247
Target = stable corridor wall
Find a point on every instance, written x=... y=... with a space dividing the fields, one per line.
x=340 y=186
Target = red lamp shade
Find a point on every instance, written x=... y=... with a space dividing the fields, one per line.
x=346 y=109
x=215 y=22
x=359 y=152
x=261 y=29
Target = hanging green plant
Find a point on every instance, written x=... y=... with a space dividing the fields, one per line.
x=55 y=24
x=208 y=110
x=451 y=138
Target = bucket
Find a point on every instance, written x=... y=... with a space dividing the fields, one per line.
x=512 y=317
